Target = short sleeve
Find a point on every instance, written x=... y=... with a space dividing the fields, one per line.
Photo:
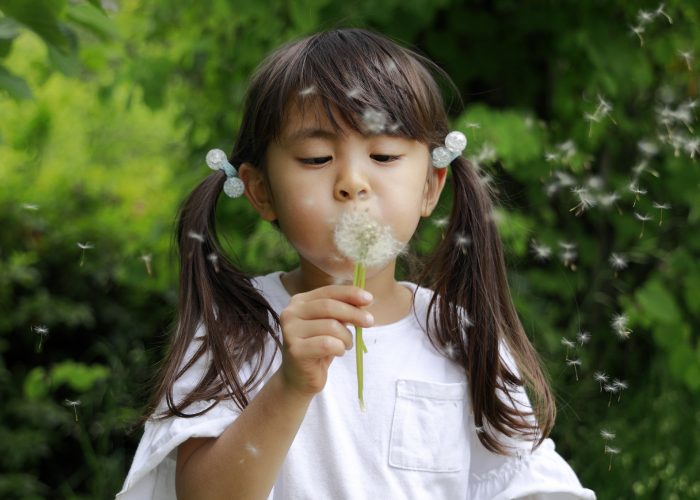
x=152 y=473
x=539 y=475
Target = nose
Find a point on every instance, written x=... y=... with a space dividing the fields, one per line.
x=351 y=185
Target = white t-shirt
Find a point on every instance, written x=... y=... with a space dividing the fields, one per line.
x=416 y=440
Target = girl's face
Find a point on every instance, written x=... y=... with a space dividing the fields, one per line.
x=315 y=176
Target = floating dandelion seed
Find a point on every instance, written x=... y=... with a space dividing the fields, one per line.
x=620 y=386
x=395 y=127
x=74 y=404
x=602 y=378
x=583 y=338
x=463 y=241
x=688 y=56
x=634 y=187
x=648 y=148
x=691 y=104
x=42 y=331
x=253 y=449
x=574 y=363
x=84 y=246
x=610 y=199
x=612 y=390
x=308 y=91
x=638 y=30
x=352 y=93
x=195 y=236
x=586 y=199
x=607 y=435
x=660 y=12
x=643 y=218
x=27 y=206
x=612 y=451
x=618 y=261
x=214 y=259
x=450 y=350
x=368 y=244
x=591 y=118
x=375 y=121
x=441 y=222
x=472 y=126
x=541 y=253
x=692 y=146
x=665 y=206
x=147 y=260
x=568 y=343
x=645 y=17
x=619 y=324
x=568 y=255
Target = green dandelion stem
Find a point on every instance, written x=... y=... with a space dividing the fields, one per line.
x=359 y=280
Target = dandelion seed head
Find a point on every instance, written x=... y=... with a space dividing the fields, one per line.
x=364 y=240
x=27 y=206
x=609 y=199
x=146 y=258
x=567 y=246
x=213 y=258
x=645 y=16
x=591 y=118
x=463 y=240
x=253 y=450
x=600 y=377
x=572 y=362
x=41 y=329
x=608 y=449
x=619 y=321
x=634 y=187
x=86 y=246
x=548 y=156
x=596 y=182
x=68 y=402
x=665 y=206
x=472 y=125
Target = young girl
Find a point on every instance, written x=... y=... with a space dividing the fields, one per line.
x=338 y=123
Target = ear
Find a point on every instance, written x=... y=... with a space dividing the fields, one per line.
x=256 y=191
x=433 y=189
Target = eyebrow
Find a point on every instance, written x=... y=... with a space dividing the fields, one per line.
x=310 y=133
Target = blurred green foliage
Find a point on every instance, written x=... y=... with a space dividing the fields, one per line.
x=109 y=108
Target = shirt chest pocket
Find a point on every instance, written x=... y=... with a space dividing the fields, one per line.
x=428 y=431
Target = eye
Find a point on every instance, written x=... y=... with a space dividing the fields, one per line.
x=315 y=161
x=386 y=158
x=324 y=159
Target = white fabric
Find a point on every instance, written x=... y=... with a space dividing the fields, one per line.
x=416 y=440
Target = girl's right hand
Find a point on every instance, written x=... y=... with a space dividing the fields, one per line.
x=314 y=332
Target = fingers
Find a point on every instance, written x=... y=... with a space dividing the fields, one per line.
x=318 y=347
x=340 y=311
x=350 y=294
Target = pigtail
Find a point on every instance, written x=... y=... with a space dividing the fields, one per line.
x=217 y=295
x=468 y=274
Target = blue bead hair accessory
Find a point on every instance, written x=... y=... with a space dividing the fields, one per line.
x=217 y=160
x=455 y=143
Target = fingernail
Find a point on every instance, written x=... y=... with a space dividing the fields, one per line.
x=366 y=296
x=369 y=319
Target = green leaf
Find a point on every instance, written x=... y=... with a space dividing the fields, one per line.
x=691 y=289
x=658 y=303
x=14 y=85
x=94 y=19
x=79 y=376
x=671 y=335
x=40 y=16
x=36 y=383
x=680 y=361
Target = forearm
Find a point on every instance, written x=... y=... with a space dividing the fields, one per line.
x=244 y=462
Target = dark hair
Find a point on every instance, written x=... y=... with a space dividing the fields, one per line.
x=397 y=82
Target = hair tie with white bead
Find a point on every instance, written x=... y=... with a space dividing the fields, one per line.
x=455 y=143
x=217 y=160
